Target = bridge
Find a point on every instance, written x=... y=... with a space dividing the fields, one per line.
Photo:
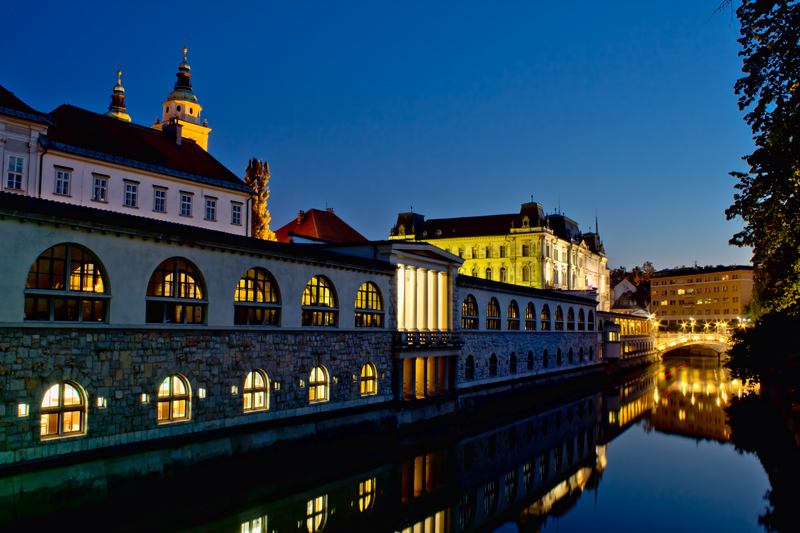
x=719 y=342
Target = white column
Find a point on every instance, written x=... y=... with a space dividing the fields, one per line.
x=401 y=303
x=443 y=303
x=422 y=299
x=433 y=301
x=449 y=299
x=411 y=293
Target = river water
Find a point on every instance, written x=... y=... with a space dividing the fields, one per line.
x=650 y=454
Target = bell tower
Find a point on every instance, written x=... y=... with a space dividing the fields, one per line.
x=117 y=107
x=182 y=108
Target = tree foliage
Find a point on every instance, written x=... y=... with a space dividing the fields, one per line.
x=636 y=275
x=768 y=200
x=257 y=178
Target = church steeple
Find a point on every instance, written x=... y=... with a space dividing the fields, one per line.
x=182 y=108
x=117 y=107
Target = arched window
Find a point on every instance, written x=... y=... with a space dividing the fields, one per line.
x=469 y=368
x=488 y=273
x=530 y=317
x=599 y=325
x=174 y=399
x=82 y=290
x=493 y=314
x=528 y=475
x=581 y=320
x=318 y=388
x=590 y=321
x=511 y=485
x=256 y=391
x=570 y=319
x=467 y=510
x=513 y=315
x=319 y=303
x=512 y=363
x=369 y=307
x=491 y=493
x=571 y=356
x=558 y=357
x=369 y=380
x=545 y=359
x=526 y=273
x=63 y=411
x=559 y=319
x=493 y=365
x=316 y=514
x=474 y=272
x=530 y=360
x=503 y=276
x=175 y=294
x=580 y=354
x=366 y=494
x=469 y=313
x=545 y=317
x=257 y=299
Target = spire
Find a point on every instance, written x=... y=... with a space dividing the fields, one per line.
x=117 y=107
x=183 y=87
x=596 y=227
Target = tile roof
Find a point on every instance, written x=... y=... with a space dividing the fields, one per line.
x=322 y=225
x=89 y=134
x=12 y=106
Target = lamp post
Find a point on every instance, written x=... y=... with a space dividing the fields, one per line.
x=692 y=319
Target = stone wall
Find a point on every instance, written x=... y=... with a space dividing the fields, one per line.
x=121 y=365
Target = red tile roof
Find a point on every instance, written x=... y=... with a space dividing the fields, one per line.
x=323 y=225
x=86 y=133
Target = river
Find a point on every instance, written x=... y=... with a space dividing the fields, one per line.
x=652 y=453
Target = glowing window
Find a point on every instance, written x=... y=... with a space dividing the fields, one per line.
x=530 y=317
x=256 y=391
x=469 y=313
x=369 y=380
x=545 y=317
x=513 y=315
x=174 y=400
x=76 y=275
x=581 y=320
x=319 y=303
x=175 y=294
x=316 y=513
x=366 y=494
x=318 y=387
x=63 y=411
x=493 y=314
x=369 y=307
x=570 y=319
x=257 y=299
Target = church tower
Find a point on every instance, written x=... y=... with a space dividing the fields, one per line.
x=182 y=108
x=117 y=107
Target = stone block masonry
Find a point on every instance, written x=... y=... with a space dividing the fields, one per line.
x=121 y=365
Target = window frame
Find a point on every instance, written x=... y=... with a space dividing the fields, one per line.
x=316 y=313
x=512 y=316
x=186 y=204
x=530 y=317
x=493 y=314
x=266 y=299
x=315 y=386
x=369 y=311
x=236 y=213
x=60 y=411
x=469 y=313
x=173 y=399
x=173 y=302
x=211 y=209
x=63 y=182
x=545 y=318
x=252 y=392
x=368 y=384
x=19 y=175
x=131 y=195
x=99 y=185
x=156 y=200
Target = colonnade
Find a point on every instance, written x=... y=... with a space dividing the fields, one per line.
x=428 y=376
x=424 y=299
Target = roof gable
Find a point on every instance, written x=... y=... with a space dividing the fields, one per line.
x=322 y=225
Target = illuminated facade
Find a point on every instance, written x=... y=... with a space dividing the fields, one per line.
x=706 y=295
x=528 y=248
x=20 y=128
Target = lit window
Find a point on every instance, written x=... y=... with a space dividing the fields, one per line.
x=530 y=317
x=62 y=182
x=236 y=214
x=366 y=494
x=559 y=318
x=493 y=314
x=258 y=525
x=581 y=320
x=131 y=194
x=160 y=200
x=316 y=513
x=211 y=209
x=76 y=275
x=369 y=306
x=318 y=385
x=256 y=391
x=369 y=380
x=513 y=315
x=173 y=399
x=545 y=318
x=258 y=300
x=469 y=313
x=100 y=192
x=175 y=294
x=63 y=411
x=186 y=205
x=319 y=303
x=14 y=175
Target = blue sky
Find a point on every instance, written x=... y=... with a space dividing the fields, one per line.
x=625 y=109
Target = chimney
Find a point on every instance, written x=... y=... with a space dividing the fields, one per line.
x=173 y=130
x=300 y=217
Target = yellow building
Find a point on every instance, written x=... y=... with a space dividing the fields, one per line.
x=707 y=295
x=527 y=248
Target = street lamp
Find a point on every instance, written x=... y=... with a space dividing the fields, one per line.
x=692 y=319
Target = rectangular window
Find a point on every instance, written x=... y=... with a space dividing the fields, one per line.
x=14 y=176
x=526 y=250
x=160 y=200
x=62 y=182
x=502 y=251
x=211 y=209
x=186 y=205
x=236 y=214
x=100 y=193
x=131 y=195
x=735 y=299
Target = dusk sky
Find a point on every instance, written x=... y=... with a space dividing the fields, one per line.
x=623 y=109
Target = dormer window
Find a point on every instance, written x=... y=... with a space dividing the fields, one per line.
x=178 y=109
x=191 y=110
x=438 y=233
x=526 y=222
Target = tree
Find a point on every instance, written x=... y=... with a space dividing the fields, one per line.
x=769 y=199
x=257 y=178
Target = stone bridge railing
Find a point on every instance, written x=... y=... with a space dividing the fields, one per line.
x=666 y=341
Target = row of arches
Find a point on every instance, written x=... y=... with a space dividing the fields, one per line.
x=64 y=407
x=470 y=318
x=530 y=363
x=67 y=284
